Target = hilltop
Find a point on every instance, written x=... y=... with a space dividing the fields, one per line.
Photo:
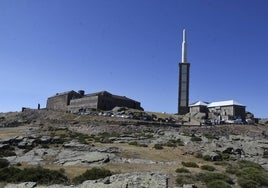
x=153 y=150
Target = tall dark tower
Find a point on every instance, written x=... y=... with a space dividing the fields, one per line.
x=184 y=75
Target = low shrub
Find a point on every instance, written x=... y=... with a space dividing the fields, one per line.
x=185 y=179
x=250 y=174
x=196 y=139
x=190 y=164
x=143 y=145
x=198 y=155
x=9 y=174
x=158 y=146
x=134 y=143
x=174 y=143
x=232 y=169
x=210 y=136
x=7 y=152
x=221 y=163
x=256 y=175
x=171 y=144
x=207 y=158
x=218 y=184
x=245 y=163
x=36 y=174
x=182 y=170
x=4 y=163
x=208 y=167
x=92 y=174
x=247 y=183
x=210 y=177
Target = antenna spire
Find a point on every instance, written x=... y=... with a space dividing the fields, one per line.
x=184 y=49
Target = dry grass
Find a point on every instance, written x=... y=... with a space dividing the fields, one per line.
x=8 y=132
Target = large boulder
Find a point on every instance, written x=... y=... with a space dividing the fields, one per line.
x=135 y=179
x=69 y=157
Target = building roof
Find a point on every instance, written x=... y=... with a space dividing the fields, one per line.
x=198 y=103
x=99 y=93
x=224 y=103
x=109 y=94
x=63 y=93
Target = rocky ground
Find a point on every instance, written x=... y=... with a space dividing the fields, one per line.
x=139 y=153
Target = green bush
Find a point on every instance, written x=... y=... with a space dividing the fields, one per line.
x=244 y=163
x=208 y=167
x=196 y=139
x=190 y=164
x=158 y=146
x=250 y=174
x=218 y=184
x=232 y=169
x=7 y=152
x=182 y=170
x=185 y=179
x=198 y=155
x=221 y=163
x=4 y=163
x=255 y=174
x=9 y=174
x=92 y=174
x=42 y=176
x=247 y=183
x=210 y=136
x=134 y=143
x=37 y=174
x=207 y=158
x=171 y=144
x=174 y=143
x=209 y=177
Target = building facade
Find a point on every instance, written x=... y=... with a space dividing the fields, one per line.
x=61 y=101
x=198 y=107
x=72 y=101
x=227 y=110
x=221 y=110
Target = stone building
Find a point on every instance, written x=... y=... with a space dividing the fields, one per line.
x=61 y=101
x=198 y=107
x=227 y=110
x=72 y=101
x=221 y=110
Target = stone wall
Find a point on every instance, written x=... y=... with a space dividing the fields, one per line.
x=109 y=102
x=232 y=112
x=61 y=101
x=87 y=102
x=75 y=102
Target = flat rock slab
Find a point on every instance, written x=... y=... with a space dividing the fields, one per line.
x=70 y=157
x=127 y=180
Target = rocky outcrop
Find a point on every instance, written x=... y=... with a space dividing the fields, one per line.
x=70 y=157
x=127 y=180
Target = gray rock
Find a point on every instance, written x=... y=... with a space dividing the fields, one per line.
x=34 y=157
x=26 y=143
x=75 y=145
x=188 y=186
x=133 y=180
x=21 y=185
x=45 y=139
x=127 y=180
x=69 y=157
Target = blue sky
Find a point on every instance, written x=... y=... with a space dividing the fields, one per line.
x=132 y=48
